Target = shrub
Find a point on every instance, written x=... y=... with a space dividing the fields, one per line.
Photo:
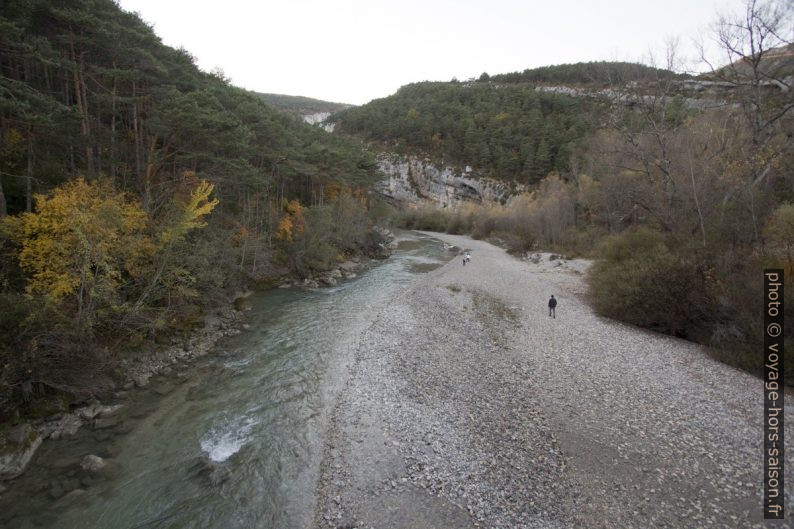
x=483 y=225
x=426 y=219
x=736 y=337
x=640 y=280
x=458 y=224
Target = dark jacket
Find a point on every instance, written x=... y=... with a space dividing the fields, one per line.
x=552 y=303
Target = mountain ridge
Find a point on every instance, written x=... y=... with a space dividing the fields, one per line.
x=300 y=106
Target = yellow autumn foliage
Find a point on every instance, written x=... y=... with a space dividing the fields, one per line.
x=193 y=212
x=86 y=240
x=81 y=238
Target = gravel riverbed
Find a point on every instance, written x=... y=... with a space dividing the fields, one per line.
x=468 y=406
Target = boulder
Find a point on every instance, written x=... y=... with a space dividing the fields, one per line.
x=336 y=274
x=385 y=234
x=92 y=464
x=348 y=266
x=381 y=252
x=141 y=379
x=328 y=281
x=67 y=425
x=92 y=411
x=213 y=472
x=17 y=451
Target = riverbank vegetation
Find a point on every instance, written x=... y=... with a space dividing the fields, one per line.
x=137 y=193
x=684 y=204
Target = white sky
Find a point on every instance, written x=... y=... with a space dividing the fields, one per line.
x=352 y=51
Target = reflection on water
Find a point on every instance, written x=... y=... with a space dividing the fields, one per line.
x=235 y=441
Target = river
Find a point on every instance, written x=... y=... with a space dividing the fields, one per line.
x=233 y=440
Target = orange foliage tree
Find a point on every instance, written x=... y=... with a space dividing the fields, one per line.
x=291 y=223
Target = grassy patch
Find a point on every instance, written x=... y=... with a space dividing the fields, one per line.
x=453 y=288
x=490 y=306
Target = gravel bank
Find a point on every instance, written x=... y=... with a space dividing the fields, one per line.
x=467 y=406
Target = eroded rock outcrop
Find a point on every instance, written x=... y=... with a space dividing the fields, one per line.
x=17 y=447
x=416 y=180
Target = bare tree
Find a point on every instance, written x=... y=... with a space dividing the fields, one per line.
x=758 y=48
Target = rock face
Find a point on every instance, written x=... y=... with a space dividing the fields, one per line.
x=318 y=119
x=695 y=93
x=16 y=450
x=414 y=180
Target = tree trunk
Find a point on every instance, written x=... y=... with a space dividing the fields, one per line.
x=82 y=107
x=137 y=131
x=3 y=210
x=113 y=129
x=697 y=202
x=29 y=174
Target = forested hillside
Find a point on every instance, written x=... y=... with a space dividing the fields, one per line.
x=601 y=73
x=499 y=124
x=510 y=132
x=136 y=190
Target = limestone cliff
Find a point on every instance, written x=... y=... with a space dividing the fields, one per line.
x=416 y=180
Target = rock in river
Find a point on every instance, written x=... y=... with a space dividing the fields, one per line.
x=67 y=425
x=213 y=472
x=92 y=463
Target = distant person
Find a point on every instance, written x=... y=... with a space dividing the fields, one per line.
x=552 y=306
x=468 y=257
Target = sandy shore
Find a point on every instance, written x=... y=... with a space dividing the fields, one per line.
x=467 y=406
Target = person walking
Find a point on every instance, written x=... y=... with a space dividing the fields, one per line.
x=552 y=306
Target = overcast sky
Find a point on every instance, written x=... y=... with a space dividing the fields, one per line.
x=353 y=51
